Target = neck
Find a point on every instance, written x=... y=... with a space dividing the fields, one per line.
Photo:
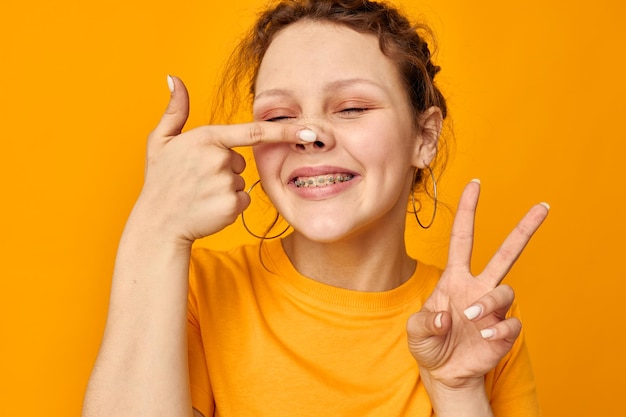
x=362 y=263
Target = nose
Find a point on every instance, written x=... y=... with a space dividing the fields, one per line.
x=317 y=145
x=324 y=141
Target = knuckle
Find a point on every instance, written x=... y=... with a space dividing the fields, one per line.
x=238 y=162
x=525 y=230
x=514 y=325
x=461 y=235
x=235 y=183
x=205 y=135
x=508 y=291
x=490 y=300
x=517 y=323
x=173 y=109
x=240 y=183
x=208 y=132
x=237 y=202
x=244 y=201
x=507 y=254
x=284 y=133
x=256 y=133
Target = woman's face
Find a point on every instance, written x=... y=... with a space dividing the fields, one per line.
x=339 y=84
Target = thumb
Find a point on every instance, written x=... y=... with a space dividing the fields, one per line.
x=176 y=113
x=425 y=325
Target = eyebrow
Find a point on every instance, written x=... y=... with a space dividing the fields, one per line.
x=330 y=87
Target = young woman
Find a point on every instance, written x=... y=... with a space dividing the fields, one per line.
x=334 y=318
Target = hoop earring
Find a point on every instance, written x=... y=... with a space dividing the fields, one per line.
x=243 y=219
x=432 y=219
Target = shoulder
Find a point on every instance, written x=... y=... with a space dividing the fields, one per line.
x=238 y=266
x=218 y=279
x=210 y=264
x=204 y=257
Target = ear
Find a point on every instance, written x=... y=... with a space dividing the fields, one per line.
x=428 y=131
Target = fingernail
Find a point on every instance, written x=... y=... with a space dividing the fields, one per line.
x=438 y=323
x=170 y=83
x=546 y=205
x=307 y=135
x=472 y=312
x=487 y=333
x=476 y=180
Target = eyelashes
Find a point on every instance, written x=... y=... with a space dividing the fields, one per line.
x=354 y=110
x=278 y=118
x=351 y=111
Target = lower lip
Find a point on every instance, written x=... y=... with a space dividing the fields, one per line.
x=324 y=192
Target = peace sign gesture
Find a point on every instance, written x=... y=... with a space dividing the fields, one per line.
x=462 y=331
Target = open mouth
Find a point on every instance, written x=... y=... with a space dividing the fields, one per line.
x=322 y=180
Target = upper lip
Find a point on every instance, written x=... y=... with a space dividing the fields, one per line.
x=314 y=171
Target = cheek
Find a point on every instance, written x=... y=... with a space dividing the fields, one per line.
x=381 y=142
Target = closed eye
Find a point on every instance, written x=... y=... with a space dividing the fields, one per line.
x=278 y=118
x=354 y=110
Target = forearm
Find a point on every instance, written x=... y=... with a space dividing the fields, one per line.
x=467 y=401
x=142 y=365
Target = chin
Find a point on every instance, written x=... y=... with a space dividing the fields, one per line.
x=329 y=232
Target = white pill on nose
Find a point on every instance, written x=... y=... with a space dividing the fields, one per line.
x=307 y=135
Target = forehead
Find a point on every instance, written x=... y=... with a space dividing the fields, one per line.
x=312 y=52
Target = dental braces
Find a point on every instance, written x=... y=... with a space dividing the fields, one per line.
x=322 y=180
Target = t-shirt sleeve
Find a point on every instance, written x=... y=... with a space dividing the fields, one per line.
x=199 y=381
x=512 y=384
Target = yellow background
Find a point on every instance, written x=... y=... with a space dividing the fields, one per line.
x=537 y=95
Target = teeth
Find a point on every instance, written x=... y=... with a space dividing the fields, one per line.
x=322 y=180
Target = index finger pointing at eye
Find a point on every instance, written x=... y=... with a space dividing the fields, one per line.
x=255 y=133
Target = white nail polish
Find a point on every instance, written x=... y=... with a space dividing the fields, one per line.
x=438 y=323
x=487 y=333
x=472 y=312
x=307 y=135
x=170 y=83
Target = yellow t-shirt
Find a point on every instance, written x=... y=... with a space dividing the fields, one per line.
x=265 y=340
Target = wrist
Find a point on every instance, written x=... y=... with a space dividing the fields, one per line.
x=148 y=224
x=468 y=399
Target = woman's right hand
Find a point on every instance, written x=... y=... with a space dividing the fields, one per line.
x=193 y=187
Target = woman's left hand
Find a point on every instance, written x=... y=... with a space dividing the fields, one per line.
x=462 y=331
